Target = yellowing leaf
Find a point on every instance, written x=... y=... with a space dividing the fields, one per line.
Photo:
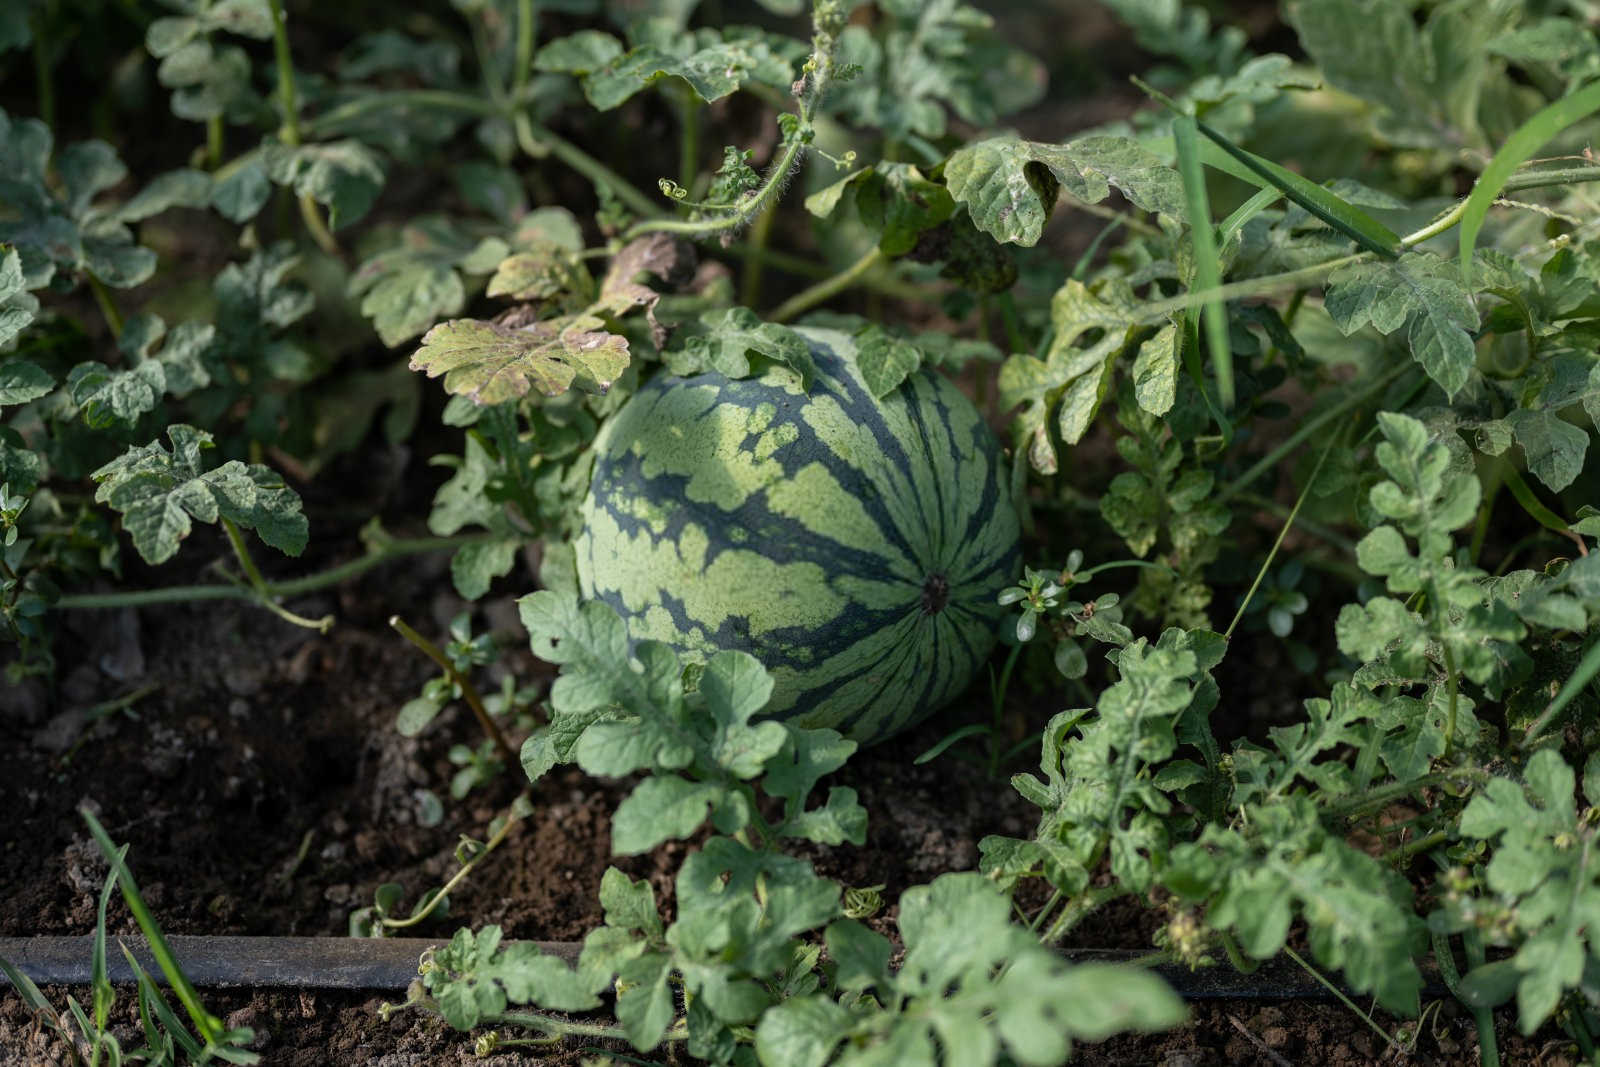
x=492 y=362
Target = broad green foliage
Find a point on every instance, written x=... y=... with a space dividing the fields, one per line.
x=853 y=545
x=1010 y=185
x=1064 y=390
x=160 y=490
x=407 y=289
x=1541 y=879
x=1420 y=293
x=712 y=64
x=475 y=976
x=702 y=745
x=929 y=58
x=975 y=987
x=1099 y=798
x=493 y=362
x=1425 y=83
x=1357 y=911
x=67 y=227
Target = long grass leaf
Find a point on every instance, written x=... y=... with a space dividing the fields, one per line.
x=209 y=1026
x=969 y=730
x=1207 y=263
x=1246 y=211
x=29 y=992
x=1343 y=216
x=100 y=985
x=1518 y=149
x=169 y=1023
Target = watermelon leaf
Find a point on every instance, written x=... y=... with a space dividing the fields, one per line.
x=731 y=337
x=1072 y=381
x=614 y=718
x=1009 y=185
x=160 y=491
x=407 y=288
x=712 y=71
x=885 y=360
x=981 y=984
x=1424 y=294
x=491 y=362
x=661 y=808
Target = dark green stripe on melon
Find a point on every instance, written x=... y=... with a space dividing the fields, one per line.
x=854 y=546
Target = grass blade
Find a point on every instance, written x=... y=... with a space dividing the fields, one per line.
x=167 y=1022
x=1207 y=265
x=99 y=984
x=1245 y=212
x=30 y=994
x=951 y=738
x=1343 y=216
x=1518 y=149
x=209 y=1026
x=155 y=1042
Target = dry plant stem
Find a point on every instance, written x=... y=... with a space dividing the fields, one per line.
x=456 y=879
x=1346 y=1001
x=807 y=299
x=1260 y=1045
x=566 y=1028
x=469 y=692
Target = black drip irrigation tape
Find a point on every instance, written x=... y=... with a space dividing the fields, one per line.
x=391 y=964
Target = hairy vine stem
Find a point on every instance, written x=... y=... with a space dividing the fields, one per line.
x=388 y=549
x=809 y=91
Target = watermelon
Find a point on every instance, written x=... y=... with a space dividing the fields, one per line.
x=854 y=546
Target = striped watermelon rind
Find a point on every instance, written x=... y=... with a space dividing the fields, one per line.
x=854 y=546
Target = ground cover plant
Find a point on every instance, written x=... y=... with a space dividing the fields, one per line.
x=1312 y=397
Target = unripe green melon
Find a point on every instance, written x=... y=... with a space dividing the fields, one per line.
x=854 y=546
